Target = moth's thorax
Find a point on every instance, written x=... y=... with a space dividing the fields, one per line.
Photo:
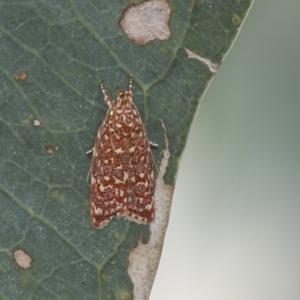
x=123 y=114
x=125 y=98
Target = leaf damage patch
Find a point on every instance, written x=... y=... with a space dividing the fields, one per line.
x=144 y=259
x=21 y=77
x=37 y=123
x=147 y=21
x=213 y=67
x=22 y=259
x=50 y=149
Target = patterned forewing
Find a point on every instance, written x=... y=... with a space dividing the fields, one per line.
x=140 y=205
x=109 y=186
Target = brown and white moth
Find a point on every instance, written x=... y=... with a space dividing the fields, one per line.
x=122 y=175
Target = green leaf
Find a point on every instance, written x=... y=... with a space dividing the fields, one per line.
x=52 y=56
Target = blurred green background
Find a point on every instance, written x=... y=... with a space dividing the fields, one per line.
x=234 y=230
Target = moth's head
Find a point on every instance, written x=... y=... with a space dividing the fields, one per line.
x=125 y=98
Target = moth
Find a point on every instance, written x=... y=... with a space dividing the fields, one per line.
x=122 y=168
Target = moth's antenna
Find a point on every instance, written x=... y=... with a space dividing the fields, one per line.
x=130 y=85
x=106 y=97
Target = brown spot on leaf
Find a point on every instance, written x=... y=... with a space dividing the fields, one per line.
x=21 y=77
x=147 y=21
x=50 y=149
x=236 y=19
x=22 y=259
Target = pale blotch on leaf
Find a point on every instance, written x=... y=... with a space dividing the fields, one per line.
x=147 y=21
x=36 y=123
x=22 y=259
x=213 y=67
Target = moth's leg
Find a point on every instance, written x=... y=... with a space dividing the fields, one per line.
x=153 y=144
x=89 y=172
x=90 y=151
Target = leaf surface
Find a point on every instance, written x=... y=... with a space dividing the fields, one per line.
x=50 y=119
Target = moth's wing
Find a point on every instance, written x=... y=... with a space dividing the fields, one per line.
x=108 y=189
x=140 y=207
